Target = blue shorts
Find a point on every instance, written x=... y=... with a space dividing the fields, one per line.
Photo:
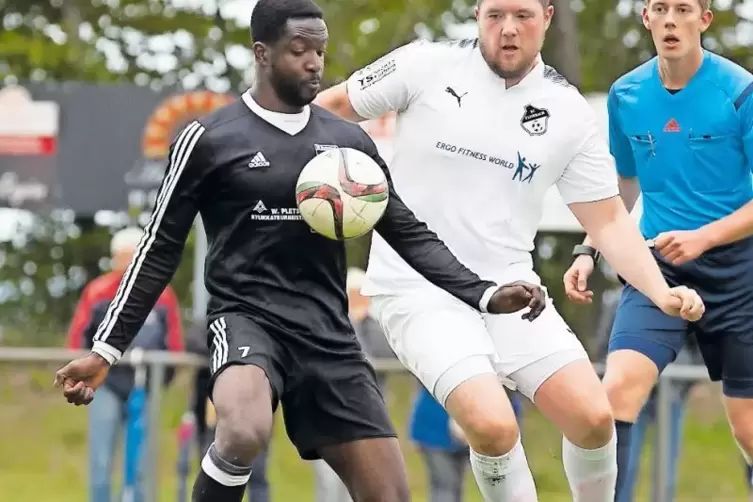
x=723 y=277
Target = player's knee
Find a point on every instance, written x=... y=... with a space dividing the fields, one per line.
x=243 y=401
x=628 y=381
x=626 y=397
x=596 y=426
x=242 y=435
x=491 y=435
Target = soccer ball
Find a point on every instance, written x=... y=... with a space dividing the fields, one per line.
x=342 y=193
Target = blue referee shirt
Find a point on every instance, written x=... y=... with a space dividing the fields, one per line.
x=691 y=150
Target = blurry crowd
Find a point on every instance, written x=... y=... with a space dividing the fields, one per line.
x=118 y=411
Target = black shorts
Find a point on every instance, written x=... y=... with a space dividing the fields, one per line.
x=723 y=277
x=328 y=397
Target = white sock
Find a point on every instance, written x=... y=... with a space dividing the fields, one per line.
x=223 y=471
x=506 y=478
x=592 y=474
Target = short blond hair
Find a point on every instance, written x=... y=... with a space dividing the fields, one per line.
x=705 y=4
x=125 y=239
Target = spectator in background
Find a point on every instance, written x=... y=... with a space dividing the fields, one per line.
x=329 y=487
x=162 y=330
x=443 y=446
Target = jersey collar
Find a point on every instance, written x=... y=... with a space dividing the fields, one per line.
x=291 y=123
x=694 y=80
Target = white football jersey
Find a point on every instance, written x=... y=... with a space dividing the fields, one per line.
x=474 y=159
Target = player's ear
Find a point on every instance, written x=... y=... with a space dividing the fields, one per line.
x=261 y=54
x=706 y=19
x=644 y=18
x=548 y=13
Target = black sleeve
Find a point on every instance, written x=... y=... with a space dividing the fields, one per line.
x=159 y=252
x=424 y=251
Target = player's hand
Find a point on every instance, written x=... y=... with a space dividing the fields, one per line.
x=683 y=302
x=81 y=377
x=682 y=246
x=516 y=296
x=576 y=279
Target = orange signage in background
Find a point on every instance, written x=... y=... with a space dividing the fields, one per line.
x=27 y=127
x=173 y=113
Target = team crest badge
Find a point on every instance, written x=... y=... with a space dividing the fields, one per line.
x=323 y=148
x=535 y=120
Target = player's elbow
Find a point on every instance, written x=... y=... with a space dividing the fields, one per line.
x=598 y=217
x=336 y=100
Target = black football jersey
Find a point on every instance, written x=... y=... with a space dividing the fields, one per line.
x=239 y=171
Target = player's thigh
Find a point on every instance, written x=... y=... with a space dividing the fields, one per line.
x=247 y=376
x=644 y=340
x=724 y=279
x=530 y=352
x=372 y=469
x=574 y=400
x=725 y=332
x=334 y=400
x=729 y=358
x=481 y=407
x=431 y=333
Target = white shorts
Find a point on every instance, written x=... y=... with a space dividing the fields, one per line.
x=444 y=342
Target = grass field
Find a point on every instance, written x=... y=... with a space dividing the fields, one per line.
x=43 y=448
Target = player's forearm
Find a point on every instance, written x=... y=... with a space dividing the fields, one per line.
x=139 y=290
x=429 y=256
x=732 y=228
x=336 y=100
x=630 y=190
x=616 y=235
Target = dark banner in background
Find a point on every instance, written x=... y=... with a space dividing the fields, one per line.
x=90 y=147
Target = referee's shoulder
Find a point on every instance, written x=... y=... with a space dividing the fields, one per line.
x=732 y=79
x=633 y=79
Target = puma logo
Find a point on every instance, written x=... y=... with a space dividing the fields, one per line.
x=455 y=95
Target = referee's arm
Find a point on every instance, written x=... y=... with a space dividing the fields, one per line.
x=739 y=224
x=425 y=252
x=619 y=147
x=159 y=252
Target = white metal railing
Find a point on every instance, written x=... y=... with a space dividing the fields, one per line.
x=158 y=361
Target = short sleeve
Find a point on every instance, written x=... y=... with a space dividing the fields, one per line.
x=745 y=111
x=619 y=144
x=591 y=174
x=389 y=84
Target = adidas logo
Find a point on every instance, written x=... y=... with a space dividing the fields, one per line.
x=672 y=126
x=259 y=160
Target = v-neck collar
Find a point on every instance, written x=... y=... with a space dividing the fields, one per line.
x=289 y=123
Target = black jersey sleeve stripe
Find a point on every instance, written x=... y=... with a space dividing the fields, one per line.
x=744 y=96
x=178 y=160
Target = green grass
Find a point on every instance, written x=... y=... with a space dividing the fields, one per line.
x=43 y=449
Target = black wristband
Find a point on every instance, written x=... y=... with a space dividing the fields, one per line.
x=582 y=249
